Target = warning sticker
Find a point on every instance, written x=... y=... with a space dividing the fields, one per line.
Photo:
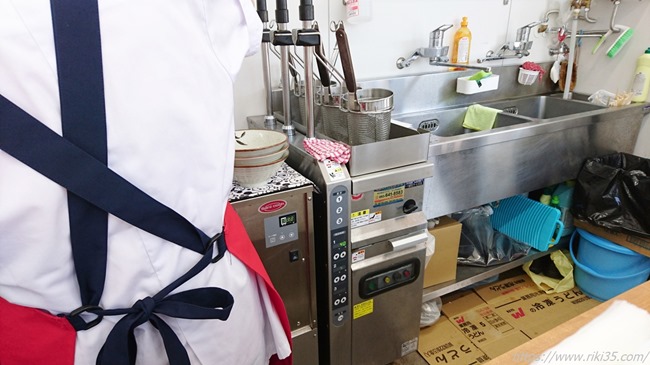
x=358 y=256
x=364 y=217
x=363 y=309
x=334 y=170
x=389 y=195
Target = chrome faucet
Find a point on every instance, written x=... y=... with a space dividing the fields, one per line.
x=519 y=48
x=436 y=52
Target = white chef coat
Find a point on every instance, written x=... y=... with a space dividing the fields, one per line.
x=169 y=67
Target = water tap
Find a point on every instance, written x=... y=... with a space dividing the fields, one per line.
x=436 y=52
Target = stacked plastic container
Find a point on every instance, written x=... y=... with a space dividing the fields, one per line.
x=604 y=269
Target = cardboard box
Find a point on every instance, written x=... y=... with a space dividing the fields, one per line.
x=495 y=318
x=530 y=309
x=634 y=243
x=442 y=266
x=442 y=343
x=481 y=324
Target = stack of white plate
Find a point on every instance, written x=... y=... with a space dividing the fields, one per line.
x=259 y=154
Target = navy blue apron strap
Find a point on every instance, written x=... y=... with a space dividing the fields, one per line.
x=34 y=144
x=202 y=303
x=39 y=147
x=83 y=120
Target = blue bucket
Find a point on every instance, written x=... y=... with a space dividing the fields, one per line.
x=606 y=286
x=607 y=257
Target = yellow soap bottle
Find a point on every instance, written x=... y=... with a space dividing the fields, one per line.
x=462 y=44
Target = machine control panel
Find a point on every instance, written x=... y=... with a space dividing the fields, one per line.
x=339 y=252
x=280 y=229
x=393 y=277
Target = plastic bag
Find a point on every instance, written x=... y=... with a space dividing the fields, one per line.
x=552 y=273
x=430 y=312
x=480 y=244
x=613 y=191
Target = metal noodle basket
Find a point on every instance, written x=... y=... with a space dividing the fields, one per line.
x=368 y=117
x=335 y=124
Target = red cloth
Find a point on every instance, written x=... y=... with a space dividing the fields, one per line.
x=240 y=246
x=30 y=336
x=325 y=149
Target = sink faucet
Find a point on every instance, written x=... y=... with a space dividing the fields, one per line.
x=519 y=48
x=436 y=52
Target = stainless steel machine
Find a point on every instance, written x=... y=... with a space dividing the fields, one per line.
x=370 y=235
x=279 y=220
x=369 y=227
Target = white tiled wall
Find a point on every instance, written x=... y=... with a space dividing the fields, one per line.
x=398 y=27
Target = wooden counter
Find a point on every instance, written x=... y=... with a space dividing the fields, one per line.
x=526 y=353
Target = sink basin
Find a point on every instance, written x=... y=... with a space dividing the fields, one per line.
x=544 y=107
x=449 y=122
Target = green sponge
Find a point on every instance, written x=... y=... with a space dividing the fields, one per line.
x=479 y=76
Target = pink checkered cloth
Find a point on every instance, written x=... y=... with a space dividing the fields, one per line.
x=323 y=149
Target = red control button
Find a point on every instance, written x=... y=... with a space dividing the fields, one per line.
x=407 y=274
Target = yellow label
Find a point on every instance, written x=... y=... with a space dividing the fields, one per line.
x=363 y=309
x=360 y=213
x=388 y=196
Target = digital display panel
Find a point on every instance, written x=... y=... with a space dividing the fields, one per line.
x=288 y=219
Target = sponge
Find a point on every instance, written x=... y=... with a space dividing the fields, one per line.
x=626 y=35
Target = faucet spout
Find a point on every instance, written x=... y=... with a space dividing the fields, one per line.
x=403 y=63
x=450 y=64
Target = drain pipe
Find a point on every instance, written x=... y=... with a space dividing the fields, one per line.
x=572 y=48
x=282 y=37
x=269 y=119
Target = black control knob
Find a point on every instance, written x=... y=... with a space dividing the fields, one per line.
x=409 y=206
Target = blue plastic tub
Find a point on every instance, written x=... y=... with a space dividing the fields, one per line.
x=605 y=286
x=607 y=257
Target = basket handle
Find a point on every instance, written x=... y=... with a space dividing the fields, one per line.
x=559 y=228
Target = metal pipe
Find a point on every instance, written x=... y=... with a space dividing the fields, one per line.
x=309 y=91
x=282 y=19
x=612 y=25
x=266 y=68
x=449 y=64
x=288 y=127
x=306 y=14
x=572 y=50
x=263 y=13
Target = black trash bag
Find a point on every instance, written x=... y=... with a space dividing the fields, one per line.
x=482 y=245
x=613 y=191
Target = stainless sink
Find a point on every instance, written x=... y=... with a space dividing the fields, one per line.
x=449 y=122
x=544 y=107
x=536 y=141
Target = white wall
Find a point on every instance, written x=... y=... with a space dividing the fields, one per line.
x=397 y=28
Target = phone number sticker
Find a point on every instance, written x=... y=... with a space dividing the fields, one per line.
x=389 y=195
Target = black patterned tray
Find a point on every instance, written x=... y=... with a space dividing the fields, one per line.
x=286 y=178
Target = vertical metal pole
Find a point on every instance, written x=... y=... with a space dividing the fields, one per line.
x=572 y=49
x=263 y=13
x=309 y=86
x=269 y=119
x=288 y=127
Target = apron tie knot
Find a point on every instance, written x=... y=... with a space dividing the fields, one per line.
x=146 y=307
x=201 y=303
